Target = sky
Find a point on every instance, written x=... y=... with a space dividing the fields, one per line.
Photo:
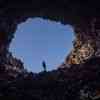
x=38 y=40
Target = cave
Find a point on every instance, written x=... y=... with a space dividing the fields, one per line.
x=81 y=15
x=83 y=76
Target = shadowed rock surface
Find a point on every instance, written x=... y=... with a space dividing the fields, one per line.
x=79 y=82
x=82 y=15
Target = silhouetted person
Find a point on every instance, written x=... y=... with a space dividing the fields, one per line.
x=44 y=66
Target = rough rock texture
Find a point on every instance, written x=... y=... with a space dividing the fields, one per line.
x=77 y=13
x=11 y=67
x=86 y=44
x=79 y=82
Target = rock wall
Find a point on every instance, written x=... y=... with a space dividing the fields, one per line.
x=86 y=44
x=11 y=67
x=79 y=14
x=79 y=82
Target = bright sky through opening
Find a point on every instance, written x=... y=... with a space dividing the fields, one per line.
x=38 y=39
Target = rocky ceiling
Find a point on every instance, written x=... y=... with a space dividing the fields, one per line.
x=78 y=13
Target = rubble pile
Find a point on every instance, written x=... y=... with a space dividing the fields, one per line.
x=79 y=82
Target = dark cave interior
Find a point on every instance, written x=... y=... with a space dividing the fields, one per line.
x=64 y=83
x=77 y=13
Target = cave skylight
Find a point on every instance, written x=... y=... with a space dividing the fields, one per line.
x=38 y=40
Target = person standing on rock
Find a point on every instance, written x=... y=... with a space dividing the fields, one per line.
x=44 y=66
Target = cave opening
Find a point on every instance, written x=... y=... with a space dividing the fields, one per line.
x=38 y=40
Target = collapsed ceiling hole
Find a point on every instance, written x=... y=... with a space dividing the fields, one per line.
x=37 y=40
